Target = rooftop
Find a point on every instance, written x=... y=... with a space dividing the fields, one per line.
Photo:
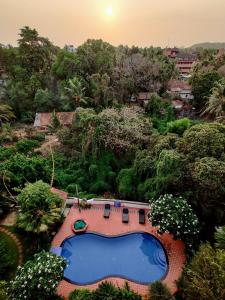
x=44 y=119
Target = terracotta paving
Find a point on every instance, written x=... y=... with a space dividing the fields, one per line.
x=114 y=226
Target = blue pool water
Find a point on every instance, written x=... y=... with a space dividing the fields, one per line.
x=138 y=257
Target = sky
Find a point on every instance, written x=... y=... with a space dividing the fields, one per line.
x=128 y=22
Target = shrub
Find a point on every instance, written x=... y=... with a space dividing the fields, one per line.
x=175 y=215
x=6 y=153
x=126 y=183
x=159 y=291
x=38 y=279
x=204 y=277
x=3 y=294
x=83 y=294
x=25 y=146
x=107 y=291
x=99 y=187
x=126 y=293
x=220 y=238
x=178 y=126
x=39 y=136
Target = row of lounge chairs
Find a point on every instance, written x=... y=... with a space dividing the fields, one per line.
x=125 y=214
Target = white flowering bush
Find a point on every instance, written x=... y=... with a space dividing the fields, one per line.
x=124 y=129
x=174 y=215
x=39 y=278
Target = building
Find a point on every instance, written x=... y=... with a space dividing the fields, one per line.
x=180 y=89
x=43 y=120
x=184 y=61
x=70 y=48
x=141 y=99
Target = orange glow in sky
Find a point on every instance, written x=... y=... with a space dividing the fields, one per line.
x=129 y=22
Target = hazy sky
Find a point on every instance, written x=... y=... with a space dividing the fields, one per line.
x=133 y=22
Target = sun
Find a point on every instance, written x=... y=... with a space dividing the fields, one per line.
x=109 y=11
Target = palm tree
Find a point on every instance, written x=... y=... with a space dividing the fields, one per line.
x=39 y=220
x=40 y=208
x=216 y=102
x=76 y=90
x=6 y=113
x=220 y=238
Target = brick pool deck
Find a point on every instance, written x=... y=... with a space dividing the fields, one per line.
x=114 y=226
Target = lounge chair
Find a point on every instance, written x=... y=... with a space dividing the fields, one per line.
x=141 y=216
x=125 y=215
x=107 y=211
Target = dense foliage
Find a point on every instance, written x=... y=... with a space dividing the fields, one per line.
x=204 y=276
x=159 y=291
x=105 y=291
x=39 y=207
x=38 y=279
x=6 y=259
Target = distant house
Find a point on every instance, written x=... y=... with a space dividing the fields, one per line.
x=184 y=61
x=180 y=89
x=182 y=108
x=141 y=99
x=43 y=120
x=70 y=48
x=177 y=104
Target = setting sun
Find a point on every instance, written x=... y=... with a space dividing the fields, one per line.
x=109 y=11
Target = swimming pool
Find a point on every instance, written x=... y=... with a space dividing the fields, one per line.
x=138 y=257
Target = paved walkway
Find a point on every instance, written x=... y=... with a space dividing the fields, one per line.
x=16 y=241
x=114 y=226
x=10 y=219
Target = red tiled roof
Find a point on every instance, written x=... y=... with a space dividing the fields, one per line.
x=144 y=96
x=44 y=119
x=178 y=84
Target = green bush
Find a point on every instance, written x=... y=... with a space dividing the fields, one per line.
x=126 y=183
x=178 y=126
x=106 y=291
x=159 y=291
x=39 y=136
x=204 y=277
x=25 y=146
x=3 y=294
x=83 y=294
x=99 y=187
x=6 y=152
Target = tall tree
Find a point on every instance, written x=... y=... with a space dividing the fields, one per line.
x=204 y=276
x=216 y=102
x=202 y=82
x=96 y=56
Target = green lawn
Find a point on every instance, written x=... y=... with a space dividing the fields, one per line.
x=30 y=242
